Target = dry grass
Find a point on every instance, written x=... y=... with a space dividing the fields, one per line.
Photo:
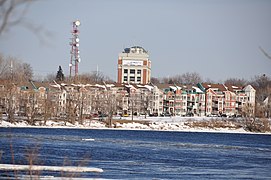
x=214 y=124
x=249 y=124
x=257 y=125
x=124 y=121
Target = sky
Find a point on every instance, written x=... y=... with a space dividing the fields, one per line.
x=216 y=39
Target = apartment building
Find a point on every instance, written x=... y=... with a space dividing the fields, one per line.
x=195 y=101
x=134 y=66
x=174 y=99
x=76 y=100
x=228 y=100
x=156 y=104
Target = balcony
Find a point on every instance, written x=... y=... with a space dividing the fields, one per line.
x=215 y=105
x=190 y=99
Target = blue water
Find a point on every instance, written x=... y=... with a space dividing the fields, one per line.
x=142 y=154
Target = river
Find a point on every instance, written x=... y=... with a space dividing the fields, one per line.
x=131 y=154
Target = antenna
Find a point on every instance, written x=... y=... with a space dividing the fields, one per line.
x=11 y=66
x=75 y=53
x=11 y=69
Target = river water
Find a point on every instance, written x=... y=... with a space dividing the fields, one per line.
x=124 y=154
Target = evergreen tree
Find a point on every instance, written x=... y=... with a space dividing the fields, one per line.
x=60 y=75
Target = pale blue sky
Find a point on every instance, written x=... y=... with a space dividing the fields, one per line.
x=217 y=39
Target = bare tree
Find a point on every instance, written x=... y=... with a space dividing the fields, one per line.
x=13 y=73
x=191 y=78
x=94 y=77
x=235 y=81
x=4 y=67
x=10 y=98
x=167 y=80
x=111 y=104
x=32 y=107
x=27 y=71
x=12 y=13
x=46 y=104
x=247 y=110
x=155 y=80
x=265 y=53
x=262 y=84
x=50 y=77
x=71 y=109
x=145 y=101
x=186 y=78
x=134 y=101
x=12 y=68
x=210 y=81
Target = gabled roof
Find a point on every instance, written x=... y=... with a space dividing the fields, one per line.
x=34 y=85
x=219 y=87
x=172 y=86
x=233 y=88
x=163 y=86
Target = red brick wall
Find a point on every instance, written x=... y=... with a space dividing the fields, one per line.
x=119 y=71
x=119 y=75
x=144 y=75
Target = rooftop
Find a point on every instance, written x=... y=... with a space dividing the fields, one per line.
x=135 y=49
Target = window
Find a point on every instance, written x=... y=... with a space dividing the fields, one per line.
x=132 y=78
x=132 y=71
x=125 y=70
x=125 y=78
x=139 y=71
x=138 y=79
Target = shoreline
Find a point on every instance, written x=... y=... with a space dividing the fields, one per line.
x=166 y=126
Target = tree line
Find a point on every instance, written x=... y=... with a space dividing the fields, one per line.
x=17 y=71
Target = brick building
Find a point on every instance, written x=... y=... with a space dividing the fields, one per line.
x=134 y=66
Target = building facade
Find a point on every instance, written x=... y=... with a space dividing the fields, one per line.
x=76 y=101
x=134 y=66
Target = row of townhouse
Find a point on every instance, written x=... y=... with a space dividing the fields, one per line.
x=78 y=100
x=229 y=100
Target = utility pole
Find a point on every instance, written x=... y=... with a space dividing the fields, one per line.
x=110 y=104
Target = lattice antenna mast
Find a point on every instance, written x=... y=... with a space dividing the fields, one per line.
x=75 y=56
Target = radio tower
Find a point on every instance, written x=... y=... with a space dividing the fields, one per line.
x=75 y=57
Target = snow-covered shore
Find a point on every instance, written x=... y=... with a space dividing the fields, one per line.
x=154 y=123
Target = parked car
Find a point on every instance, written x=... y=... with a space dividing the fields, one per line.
x=102 y=115
x=236 y=116
x=223 y=115
x=4 y=114
x=212 y=115
x=94 y=115
x=153 y=114
x=165 y=114
x=125 y=115
x=189 y=114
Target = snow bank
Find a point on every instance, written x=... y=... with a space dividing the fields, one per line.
x=153 y=123
x=8 y=167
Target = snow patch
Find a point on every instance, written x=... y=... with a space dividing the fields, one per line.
x=150 y=123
